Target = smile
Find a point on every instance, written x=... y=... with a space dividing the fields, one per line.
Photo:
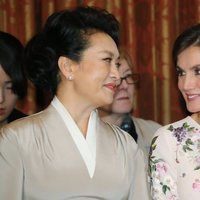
x=192 y=97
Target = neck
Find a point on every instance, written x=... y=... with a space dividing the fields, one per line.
x=80 y=114
x=196 y=117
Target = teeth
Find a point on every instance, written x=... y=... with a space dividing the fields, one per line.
x=192 y=96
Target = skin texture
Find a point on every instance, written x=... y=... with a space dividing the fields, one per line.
x=188 y=67
x=7 y=97
x=94 y=78
x=123 y=98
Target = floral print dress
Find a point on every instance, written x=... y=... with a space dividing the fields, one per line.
x=174 y=161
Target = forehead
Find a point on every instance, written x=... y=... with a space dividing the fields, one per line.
x=189 y=57
x=102 y=43
x=124 y=66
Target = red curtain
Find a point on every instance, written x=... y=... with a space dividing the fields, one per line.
x=149 y=28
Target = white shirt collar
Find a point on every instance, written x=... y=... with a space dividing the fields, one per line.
x=86 y=146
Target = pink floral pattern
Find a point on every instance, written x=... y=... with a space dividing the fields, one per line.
x=175 y=159
x=196 y=185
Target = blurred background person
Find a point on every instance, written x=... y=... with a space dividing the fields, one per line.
x=174 y=164
x=13 y=84
x=121 y=111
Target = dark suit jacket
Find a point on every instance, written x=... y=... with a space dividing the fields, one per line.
x=15 y=114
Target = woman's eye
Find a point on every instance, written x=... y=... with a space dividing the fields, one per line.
x=9 y=86
x=180 y=72
x=129 y=76
x=197 y=71
x=107 y=59
x=118 y=65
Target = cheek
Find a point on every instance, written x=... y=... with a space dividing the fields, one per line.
x=98 y=77
x=131 y=93
x=180 y=85
x=11 y=100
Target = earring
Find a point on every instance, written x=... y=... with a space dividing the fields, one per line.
x=70 y=77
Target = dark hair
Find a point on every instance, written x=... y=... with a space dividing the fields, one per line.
x=11 y=60
x=65 y=33
x=189 y=37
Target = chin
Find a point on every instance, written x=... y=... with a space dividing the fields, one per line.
x=193 y=109
x=123 y=107
x=106 y=102
x=120 y=110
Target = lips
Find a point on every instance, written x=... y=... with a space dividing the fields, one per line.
x=2 y=111
x=111 y=86
x=191 y=97
x=122 y=95
x=122 y=98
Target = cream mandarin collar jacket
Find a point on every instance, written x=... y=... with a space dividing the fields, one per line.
x=40 y=161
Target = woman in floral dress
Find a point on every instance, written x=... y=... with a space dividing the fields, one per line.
x=174 y=161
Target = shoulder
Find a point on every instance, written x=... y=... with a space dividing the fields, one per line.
x=172 y=132
x=171 y=126
x=147 y=123
x=146 y=128
x=23 y=122
x=118 y=136
x=166 y=142
x=27 y=126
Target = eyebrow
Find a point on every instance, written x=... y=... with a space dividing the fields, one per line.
x=109 y=52
x=192 y=68
x=196 y=66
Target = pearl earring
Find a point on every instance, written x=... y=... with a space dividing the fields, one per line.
x=70 y=78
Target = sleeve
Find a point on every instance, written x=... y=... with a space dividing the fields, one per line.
x=11 y=168
x=139 y=186
x=162 y=166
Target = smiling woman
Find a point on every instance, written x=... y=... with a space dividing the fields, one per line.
x=100 y=79
x=175 y=151
x=66 y=151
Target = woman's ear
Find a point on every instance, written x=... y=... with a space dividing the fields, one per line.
x=67 y=67
x=64 y=65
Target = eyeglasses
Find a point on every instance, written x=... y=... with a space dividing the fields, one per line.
x=129 y=78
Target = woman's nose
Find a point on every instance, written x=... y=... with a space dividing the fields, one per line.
x=115 y=72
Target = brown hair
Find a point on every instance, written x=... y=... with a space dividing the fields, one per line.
x=124 y=53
